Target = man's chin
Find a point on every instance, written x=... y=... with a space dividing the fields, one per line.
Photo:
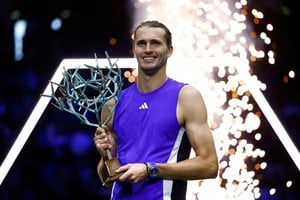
x=149 y=70
x=148 y=66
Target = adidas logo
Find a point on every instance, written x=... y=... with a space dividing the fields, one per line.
x=143 y=106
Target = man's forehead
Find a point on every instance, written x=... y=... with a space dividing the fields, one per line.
x=149 y=32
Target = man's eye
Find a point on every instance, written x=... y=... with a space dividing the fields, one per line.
x=155 y=42
x=141 y=43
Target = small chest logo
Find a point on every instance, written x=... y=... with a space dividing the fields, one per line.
x=143 y=106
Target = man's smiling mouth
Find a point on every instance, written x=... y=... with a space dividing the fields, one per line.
x=148 y=58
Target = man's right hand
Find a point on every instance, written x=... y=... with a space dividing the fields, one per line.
x=104 y=140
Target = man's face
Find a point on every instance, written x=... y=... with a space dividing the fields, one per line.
x=150 y=49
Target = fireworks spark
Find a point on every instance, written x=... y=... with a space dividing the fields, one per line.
x=218 y=31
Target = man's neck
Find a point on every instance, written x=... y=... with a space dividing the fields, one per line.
x=149 y=83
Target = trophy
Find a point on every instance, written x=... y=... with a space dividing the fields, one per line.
x=85 y=95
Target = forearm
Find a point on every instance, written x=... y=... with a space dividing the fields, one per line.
x=190 y=169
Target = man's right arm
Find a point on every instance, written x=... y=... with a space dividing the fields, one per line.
x=104 y=139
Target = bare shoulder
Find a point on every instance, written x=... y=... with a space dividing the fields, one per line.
x=190 y=94
x=191 y=105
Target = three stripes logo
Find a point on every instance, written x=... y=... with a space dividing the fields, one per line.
x=143 y=106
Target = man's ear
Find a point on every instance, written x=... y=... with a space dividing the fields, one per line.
x=170 y=51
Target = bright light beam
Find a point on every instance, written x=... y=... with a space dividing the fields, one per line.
x=28 y=127
x=271 y=116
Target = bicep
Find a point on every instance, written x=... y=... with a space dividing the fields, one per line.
x=106 y=118
x=194 y=117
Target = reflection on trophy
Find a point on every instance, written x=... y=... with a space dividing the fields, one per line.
x=84 y=94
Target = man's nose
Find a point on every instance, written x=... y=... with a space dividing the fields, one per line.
x=148 y=46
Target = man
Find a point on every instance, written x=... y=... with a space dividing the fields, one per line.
x=154 y=125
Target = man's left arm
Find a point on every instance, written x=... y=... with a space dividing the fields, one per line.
x=192 y=114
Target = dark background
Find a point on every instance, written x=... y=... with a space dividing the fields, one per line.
x=59 y=159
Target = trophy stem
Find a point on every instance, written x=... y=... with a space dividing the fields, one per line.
x=109 y=156
x=112 y=164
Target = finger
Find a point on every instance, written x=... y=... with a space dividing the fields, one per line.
x=105 y=130
x=99 y=131
x=123 y=168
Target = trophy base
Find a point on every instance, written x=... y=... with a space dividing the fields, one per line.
x=112 y=165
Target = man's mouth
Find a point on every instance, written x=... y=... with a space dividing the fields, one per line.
x=148 y=58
